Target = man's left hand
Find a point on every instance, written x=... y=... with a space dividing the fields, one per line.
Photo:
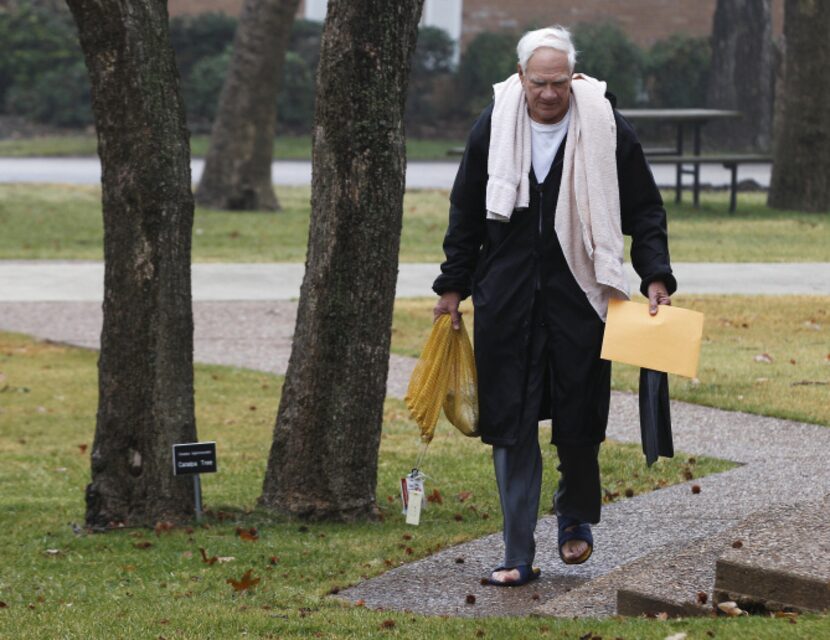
x=657 y=295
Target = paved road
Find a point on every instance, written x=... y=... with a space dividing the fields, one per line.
x=80 y=281
x=419 y=175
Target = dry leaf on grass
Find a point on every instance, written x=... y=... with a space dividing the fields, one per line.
x=246 y=582
x=250 y=535
x=435 y=497
x=764 y=358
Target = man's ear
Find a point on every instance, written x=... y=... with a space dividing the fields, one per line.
x=519 y=69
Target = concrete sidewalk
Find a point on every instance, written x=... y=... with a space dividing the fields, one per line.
x=79 y=281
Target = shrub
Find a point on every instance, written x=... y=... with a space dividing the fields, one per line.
x=606 y=53
x=201 y=89
x=295 y=103
x=489 y=58
x=59 y=96
x=677 y=72
x=199 y=37
x=38 y=42
x=432 y=62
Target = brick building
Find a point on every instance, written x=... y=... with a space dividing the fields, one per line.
x=645 y=21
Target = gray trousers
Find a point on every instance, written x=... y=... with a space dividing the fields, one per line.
x=519 y=468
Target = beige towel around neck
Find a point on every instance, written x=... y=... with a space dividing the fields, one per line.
x=587 y=218
x=588 y=222
x=508 y=159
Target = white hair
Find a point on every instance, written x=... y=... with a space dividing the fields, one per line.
x=556 y=37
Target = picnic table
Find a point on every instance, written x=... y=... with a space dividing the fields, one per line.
x=683 y=119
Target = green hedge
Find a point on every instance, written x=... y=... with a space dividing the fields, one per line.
x=42 y=73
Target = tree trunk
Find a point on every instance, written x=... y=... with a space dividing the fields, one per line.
x=146 y=363
x=801 y=154
x=237 y=172
x=742 y=73
x=323 y=462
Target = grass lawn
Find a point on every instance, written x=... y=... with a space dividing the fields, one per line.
x=794 y=331
x=64 y=222
x=135 y=584
x=285 y=147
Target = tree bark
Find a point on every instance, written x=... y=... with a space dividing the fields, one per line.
x=146 y=363
x=237 y=173
x=323 y=461
x=742 y=73
x=801 y=154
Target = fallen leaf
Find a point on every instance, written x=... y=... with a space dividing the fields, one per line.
x=479 y=633
x=187 y=554
x=82 y=448
x=702 y=597
x=224 y=559
x=459 y=561
x=435 y=497
x=792 y=360
x=737 y=544
x=677 y=636
x=662 y=616
x=247 y=581
x=470 y=599
x=535 y=596
x=387 y=624
x=408 y=551
x=731 y=609
x=407 y=536
x=273 y=560
x=205 y=559
x=695 y=489
x=52 y=552
x=464 y=495
x=812 y=324
x=250 y=535
x=458 y=517
x=162 y=526
x=3 y=605
x=360 y=603
x=763 y=357
x=142 y=545
x=629 y=493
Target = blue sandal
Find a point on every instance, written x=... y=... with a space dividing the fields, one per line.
x=573 y=529
x=526 y=574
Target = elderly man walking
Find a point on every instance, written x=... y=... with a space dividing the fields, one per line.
x=551 y=178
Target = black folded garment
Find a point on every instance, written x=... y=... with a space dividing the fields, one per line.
x=655 y=420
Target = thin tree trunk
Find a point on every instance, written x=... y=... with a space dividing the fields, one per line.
x=146 y=364
x=742 y=73
x=801 y=155
x=237 y=172
x=323 y=462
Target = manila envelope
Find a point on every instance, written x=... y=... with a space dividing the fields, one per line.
x=669 y=341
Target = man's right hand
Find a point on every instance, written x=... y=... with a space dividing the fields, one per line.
x=448 y=303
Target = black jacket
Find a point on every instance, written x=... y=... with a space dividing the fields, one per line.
x=506 y=266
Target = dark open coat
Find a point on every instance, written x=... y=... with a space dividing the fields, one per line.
x=509 y=267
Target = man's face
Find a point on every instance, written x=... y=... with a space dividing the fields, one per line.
x=547 y=85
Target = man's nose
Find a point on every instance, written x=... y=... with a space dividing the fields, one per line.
x=549 y=93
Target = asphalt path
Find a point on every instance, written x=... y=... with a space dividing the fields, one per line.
x=419 y=175
x=83 y=281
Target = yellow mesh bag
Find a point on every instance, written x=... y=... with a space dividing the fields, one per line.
x=445 y=377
